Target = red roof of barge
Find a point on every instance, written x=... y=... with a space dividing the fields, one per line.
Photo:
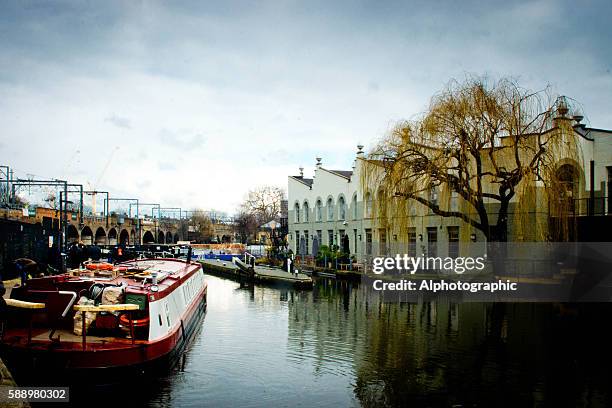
x=178 y=271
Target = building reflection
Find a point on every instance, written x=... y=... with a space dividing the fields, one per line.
x=441 y=352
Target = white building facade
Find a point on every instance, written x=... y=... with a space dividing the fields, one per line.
x=332 y=208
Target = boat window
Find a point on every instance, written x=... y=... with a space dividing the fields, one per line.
x=160 y=320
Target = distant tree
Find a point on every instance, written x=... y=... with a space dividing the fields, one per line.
x=263 y=203
x=201 y=227
x=51 y=201
x=20 y=202
x=246 y=225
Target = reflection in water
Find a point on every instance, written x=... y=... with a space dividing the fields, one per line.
x=444 y=354
x=341 y=345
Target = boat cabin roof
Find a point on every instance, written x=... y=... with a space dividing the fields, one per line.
x=135 y=276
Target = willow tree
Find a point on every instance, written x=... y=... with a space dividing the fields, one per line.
x=488 y=143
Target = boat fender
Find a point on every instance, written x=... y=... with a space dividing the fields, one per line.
x=124 y=319
x=99 y=266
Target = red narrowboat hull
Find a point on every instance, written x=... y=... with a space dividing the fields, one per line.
x=70 y=356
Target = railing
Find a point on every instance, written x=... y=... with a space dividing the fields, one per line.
x=30 y=308
x=249 y=258
x=128 y=307
x=586 y=207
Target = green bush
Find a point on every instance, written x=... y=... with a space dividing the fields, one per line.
x=327 y=254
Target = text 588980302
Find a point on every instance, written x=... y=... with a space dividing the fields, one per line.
x=34 y=394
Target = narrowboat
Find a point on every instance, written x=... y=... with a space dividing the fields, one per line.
x=133 y=314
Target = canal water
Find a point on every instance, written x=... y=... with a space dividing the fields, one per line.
x=342 y=345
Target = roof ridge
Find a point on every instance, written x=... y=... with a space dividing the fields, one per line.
x=342 y=173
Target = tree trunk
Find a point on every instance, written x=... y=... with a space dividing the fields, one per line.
x=496 y=248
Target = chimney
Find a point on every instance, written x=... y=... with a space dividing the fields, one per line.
x=562 y=108
x=359 y=150
x=359 y=155
x=561 y=111
x=578 y=119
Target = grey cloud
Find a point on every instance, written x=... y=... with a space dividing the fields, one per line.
x=182 y=139
x=120 y=122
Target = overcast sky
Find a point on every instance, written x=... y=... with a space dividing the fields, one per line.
x=192 y=105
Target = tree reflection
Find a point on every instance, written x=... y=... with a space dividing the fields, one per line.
x=443 y=353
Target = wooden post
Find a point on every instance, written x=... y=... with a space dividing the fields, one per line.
x=20 y=304
x=105 y=308
x=29 y=327
x=131 y=326
x=591 y=206
x=84 y=332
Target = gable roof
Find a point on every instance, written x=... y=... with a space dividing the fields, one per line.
x=343 y=173
x=301 y=179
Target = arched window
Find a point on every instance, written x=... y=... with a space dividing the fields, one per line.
x=567 y=177
x=296 y=212
x=368 y=205
x=330 y=209
x=306 y=210
x=433 y=195
x=341 y=208
x=354 y=206
x=319 y=211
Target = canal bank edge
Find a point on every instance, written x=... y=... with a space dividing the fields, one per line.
x=261 y=274
x=7 y=382
x=6 y=379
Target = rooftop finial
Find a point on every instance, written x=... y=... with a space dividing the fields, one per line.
x=301 y=172
x=578 y=116
x=562 y=107
x=359 y=149
x=319 y=161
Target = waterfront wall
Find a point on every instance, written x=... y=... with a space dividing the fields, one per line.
x=6 y=381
